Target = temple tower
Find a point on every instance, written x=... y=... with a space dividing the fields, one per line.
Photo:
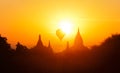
x=78 y=42
x=39 y=43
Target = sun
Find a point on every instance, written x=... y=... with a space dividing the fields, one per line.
x=65 y=26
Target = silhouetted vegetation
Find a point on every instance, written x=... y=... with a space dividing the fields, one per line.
x=103 y=58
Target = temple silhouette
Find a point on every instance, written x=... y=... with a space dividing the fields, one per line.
x=103 y=58
x=78 y=42
x=41 y=49
x=78 y=45
x=48 y=50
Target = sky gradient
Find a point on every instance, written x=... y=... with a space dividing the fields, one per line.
x=24 y=20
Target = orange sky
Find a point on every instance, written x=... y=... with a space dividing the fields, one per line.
x=23 y=20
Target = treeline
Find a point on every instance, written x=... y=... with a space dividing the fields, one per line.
x=103 y=58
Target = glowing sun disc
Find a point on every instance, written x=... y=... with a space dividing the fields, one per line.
x=65 y=26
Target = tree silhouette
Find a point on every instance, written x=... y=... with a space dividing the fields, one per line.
x=5 y=49
x=20 y=49
x=6 y=54
x=103 y=58
x=107 y=55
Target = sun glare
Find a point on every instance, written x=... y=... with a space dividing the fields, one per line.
x=66 y=26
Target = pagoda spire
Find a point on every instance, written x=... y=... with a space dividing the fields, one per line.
x=78 y=31
x=67 y=47
x=49 y=45
x=39 y=43
x=39 y=37
x=78 y=42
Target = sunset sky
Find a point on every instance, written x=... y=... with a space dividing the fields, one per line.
x=24 y=20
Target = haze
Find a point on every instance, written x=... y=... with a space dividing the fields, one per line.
x=24 y=20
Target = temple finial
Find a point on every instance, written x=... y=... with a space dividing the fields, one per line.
x=67 y=44
x=39 y=36
x=39 y=43
x=78 y=30
x=49 y=45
